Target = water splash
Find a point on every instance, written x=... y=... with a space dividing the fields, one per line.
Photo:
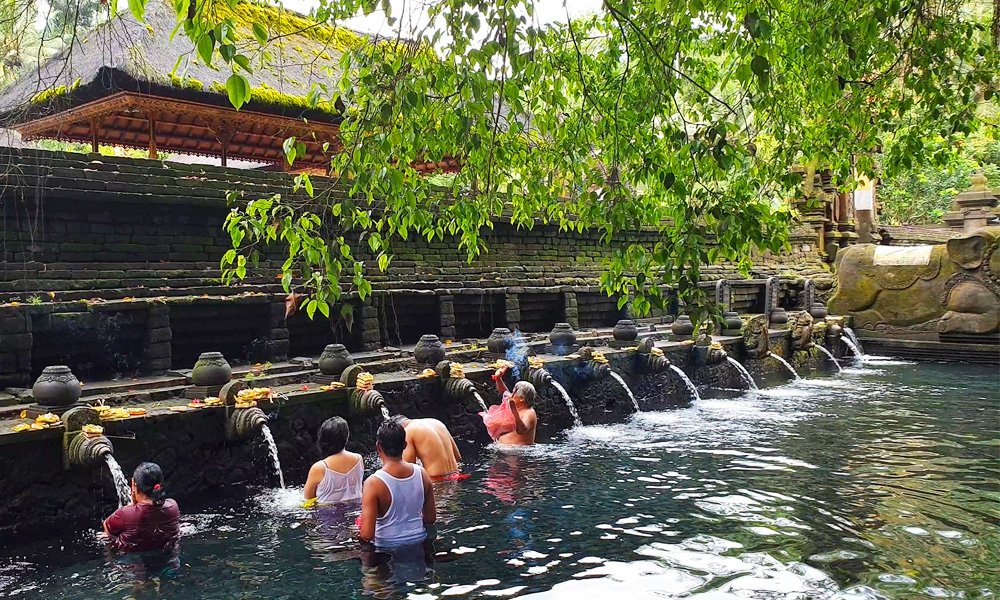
x=855 y=350
x=628 y=390
x=385 y=412
x=692 y=389
x=831 y=356
x=272 y=451
x=743 y=373
x=787 y=364
x=569 y=403
x=479 y=399
x=856 y=343
x=122 y=486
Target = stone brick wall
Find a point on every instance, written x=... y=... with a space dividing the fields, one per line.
x=79 y=228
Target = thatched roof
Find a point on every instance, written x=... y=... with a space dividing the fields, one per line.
x=125 y=55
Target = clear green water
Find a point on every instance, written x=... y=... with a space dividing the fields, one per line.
x=881 y=482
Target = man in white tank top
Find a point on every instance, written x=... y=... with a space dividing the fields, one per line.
x=397 y=503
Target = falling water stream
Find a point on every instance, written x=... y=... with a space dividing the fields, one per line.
x=121 y=482
x=272 y=451
x=385 y=412
x=855 y=342
x=635 y=403
x=858 y=354
x=692 y=389
x=787 y=364
x=831 y=356
x=479 y=399
x=744 y=373
x=569 y=403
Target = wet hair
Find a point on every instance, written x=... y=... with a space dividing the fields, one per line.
x=391 y=438
x=525 y=391
x=332 y=436
x=148 y=478
x=401 y=419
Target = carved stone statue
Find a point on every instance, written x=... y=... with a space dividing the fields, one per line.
x=801 y=325
x=755 y=340
x=951 y=288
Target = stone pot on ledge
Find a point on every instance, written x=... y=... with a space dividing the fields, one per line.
x=682 y=327
x=778 y=316
x=499 y=341
x=625 y=331
x=562 y=336
x=818 y=310
x=334 y=359
x=429 y=350
x=212 y=369
x=57 y=387
x=733 y=324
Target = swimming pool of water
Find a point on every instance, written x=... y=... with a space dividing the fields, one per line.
x=879 y=482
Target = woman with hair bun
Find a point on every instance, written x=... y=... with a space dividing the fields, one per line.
x=152 y=521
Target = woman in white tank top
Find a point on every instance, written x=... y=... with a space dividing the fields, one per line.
x=338 y=477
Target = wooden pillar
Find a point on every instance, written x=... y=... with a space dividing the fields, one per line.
x=94 y=125
x=152 y=137
x=225 y=148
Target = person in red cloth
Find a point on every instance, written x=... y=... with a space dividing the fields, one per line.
x=513 y=421
x=151 y=522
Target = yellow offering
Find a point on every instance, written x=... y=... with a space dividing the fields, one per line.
x=47 y=419
x=365 y=381
x=89 y=429
x=428 y=373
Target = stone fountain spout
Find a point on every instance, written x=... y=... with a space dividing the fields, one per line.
x=457 y=387
x=82 y=449
x=538 y=377
x=650 y=358
x=595 y=362
x=364 y=400
x=243 y=423
x=705 y=352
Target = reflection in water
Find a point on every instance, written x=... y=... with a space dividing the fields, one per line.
x=881 y=482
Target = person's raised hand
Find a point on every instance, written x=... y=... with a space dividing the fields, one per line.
x=499 y=373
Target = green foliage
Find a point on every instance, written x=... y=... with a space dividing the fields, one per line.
x=61 y=146
x=922 y=194
x=682 y=115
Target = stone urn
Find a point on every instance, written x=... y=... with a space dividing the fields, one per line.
x=625 y=331
x=778 y=316
x=429 y=350
x=732 y=323
x=211 y=369
x=682 y=327
x=334 y=359
x=499 y=341
x=562 y=336
x=57 y=386
x=818 y=310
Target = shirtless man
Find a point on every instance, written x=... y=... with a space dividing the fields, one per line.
x=519 y=401
x=429 y=441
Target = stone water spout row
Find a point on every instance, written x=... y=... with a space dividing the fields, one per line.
x=651 y=359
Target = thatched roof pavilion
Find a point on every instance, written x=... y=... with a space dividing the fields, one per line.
x=118 y=85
